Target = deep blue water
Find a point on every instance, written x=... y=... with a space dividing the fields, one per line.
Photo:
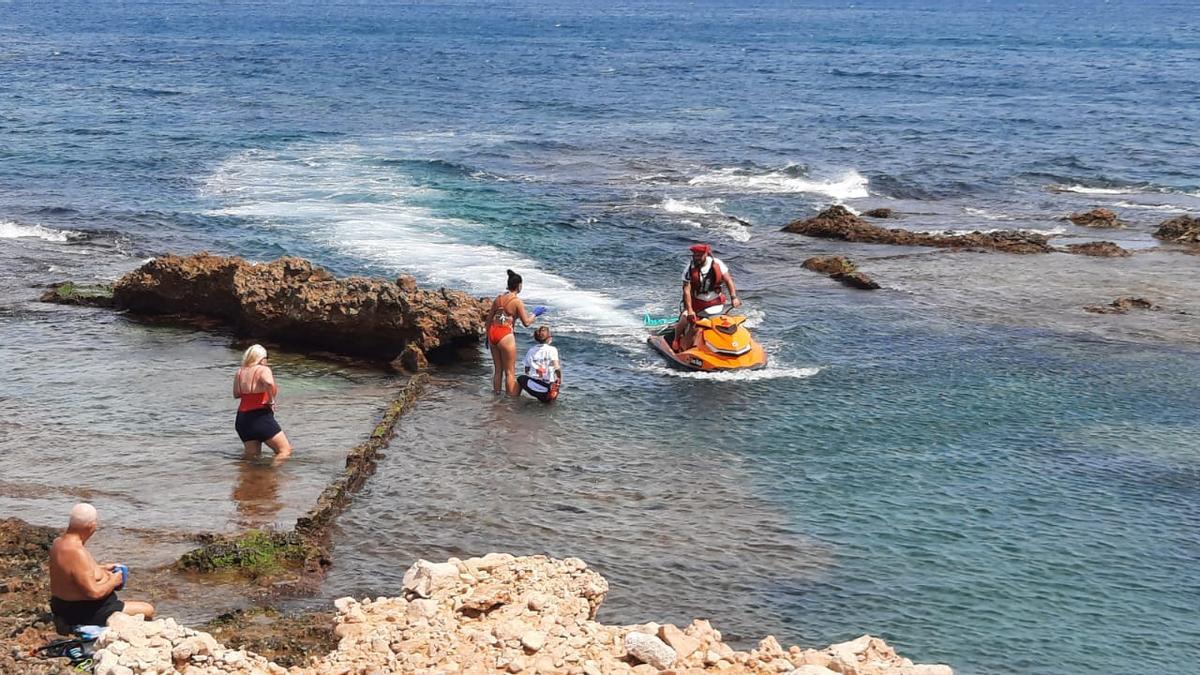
x=994 y=488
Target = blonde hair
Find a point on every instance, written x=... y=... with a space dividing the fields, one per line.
x=253 y=354
x=82 y=516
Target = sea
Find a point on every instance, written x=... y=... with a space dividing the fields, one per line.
x=964 y=462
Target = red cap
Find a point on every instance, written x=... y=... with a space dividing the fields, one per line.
x=701 y=248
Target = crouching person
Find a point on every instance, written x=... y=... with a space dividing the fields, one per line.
x=543 y=370
x=83 y=593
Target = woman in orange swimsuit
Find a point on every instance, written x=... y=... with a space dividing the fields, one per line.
x=506 y=309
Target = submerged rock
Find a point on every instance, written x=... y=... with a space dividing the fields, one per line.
x=1181 y=229
x=1122 y=306
x=1099 y=249
x=1099 y=218
x=545 y=624
x=836 y=222
x=881 y=213
x=840 y=268
x=293 y=301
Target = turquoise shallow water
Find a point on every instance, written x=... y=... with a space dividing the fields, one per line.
x=964 y=462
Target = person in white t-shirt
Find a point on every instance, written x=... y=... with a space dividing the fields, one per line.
x=543 y=370
x=702 y=296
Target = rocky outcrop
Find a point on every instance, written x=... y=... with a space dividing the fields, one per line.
x=1098 y=218
x=1122 y=306
x=497 y=613
x=1180 y=229
x=841 y=269
x=837 y=222
x=293 y=301
x=881 y=213
x=1099 y=249
x=70 y=293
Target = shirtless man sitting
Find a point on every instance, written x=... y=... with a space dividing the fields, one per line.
x=83 y=593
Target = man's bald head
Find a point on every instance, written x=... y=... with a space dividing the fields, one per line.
x=83 y=517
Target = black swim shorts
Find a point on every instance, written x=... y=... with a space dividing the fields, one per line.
x=86 y=612
x=539 y=389
x=256 y=425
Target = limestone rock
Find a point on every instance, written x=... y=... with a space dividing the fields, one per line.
x=423 y=577
x=291 y=300
x=650 y=650
x=836 y=222
x=1180 y=229
x=544 y=625
x=1099 y=249
x=683 y=644
x=840 y=269
x=881 y=213
x=1100 y=218
x=1122 y=306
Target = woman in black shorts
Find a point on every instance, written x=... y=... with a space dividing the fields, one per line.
x=255 y=385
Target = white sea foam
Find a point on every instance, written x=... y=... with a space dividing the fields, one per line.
x=683 y=206
x=1150 y=207
x=1084 y=190
x=771 y=372
x=707 y=217
x=367 y=211
x=851 y=185
x=1050 y=232
x=988 y=215
x=11 y=230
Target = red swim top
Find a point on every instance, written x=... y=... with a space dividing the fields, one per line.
x=254 y=401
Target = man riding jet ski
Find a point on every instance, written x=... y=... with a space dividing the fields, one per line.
x=706 y=338
x=702 y=296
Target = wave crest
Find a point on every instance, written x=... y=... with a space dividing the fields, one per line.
x=852 y=185
x=14 y=230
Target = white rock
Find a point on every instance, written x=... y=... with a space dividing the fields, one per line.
x=812 y=669
x=650 y=650
x=424 y=577
x=533 y=640
x=424 y=607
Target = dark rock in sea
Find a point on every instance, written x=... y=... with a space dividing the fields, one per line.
x=1122 y=306
x=837 y=222
x=70 y=293
x=1099 y=249
x=293 y=301
x=881 y=213
x=1181 y=229
x=1099 y=218
x=839 y=268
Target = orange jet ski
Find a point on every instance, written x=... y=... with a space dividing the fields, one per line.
x=725 y=345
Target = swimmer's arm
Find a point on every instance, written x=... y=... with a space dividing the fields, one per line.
x=268 y=379
x=237 y=390
x=489 y=315
x=558 y=372
x=687 y=299
x=525 y=317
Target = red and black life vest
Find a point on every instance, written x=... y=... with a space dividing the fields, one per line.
x=703 y=284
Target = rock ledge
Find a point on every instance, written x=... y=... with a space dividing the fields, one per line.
x=497 y=613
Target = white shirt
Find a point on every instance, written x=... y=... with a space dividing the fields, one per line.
x=541 y=361
x=708 y=263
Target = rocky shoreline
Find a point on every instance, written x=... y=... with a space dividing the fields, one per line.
x=496 y=613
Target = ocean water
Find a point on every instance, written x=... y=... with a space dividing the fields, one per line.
x=965 y=462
